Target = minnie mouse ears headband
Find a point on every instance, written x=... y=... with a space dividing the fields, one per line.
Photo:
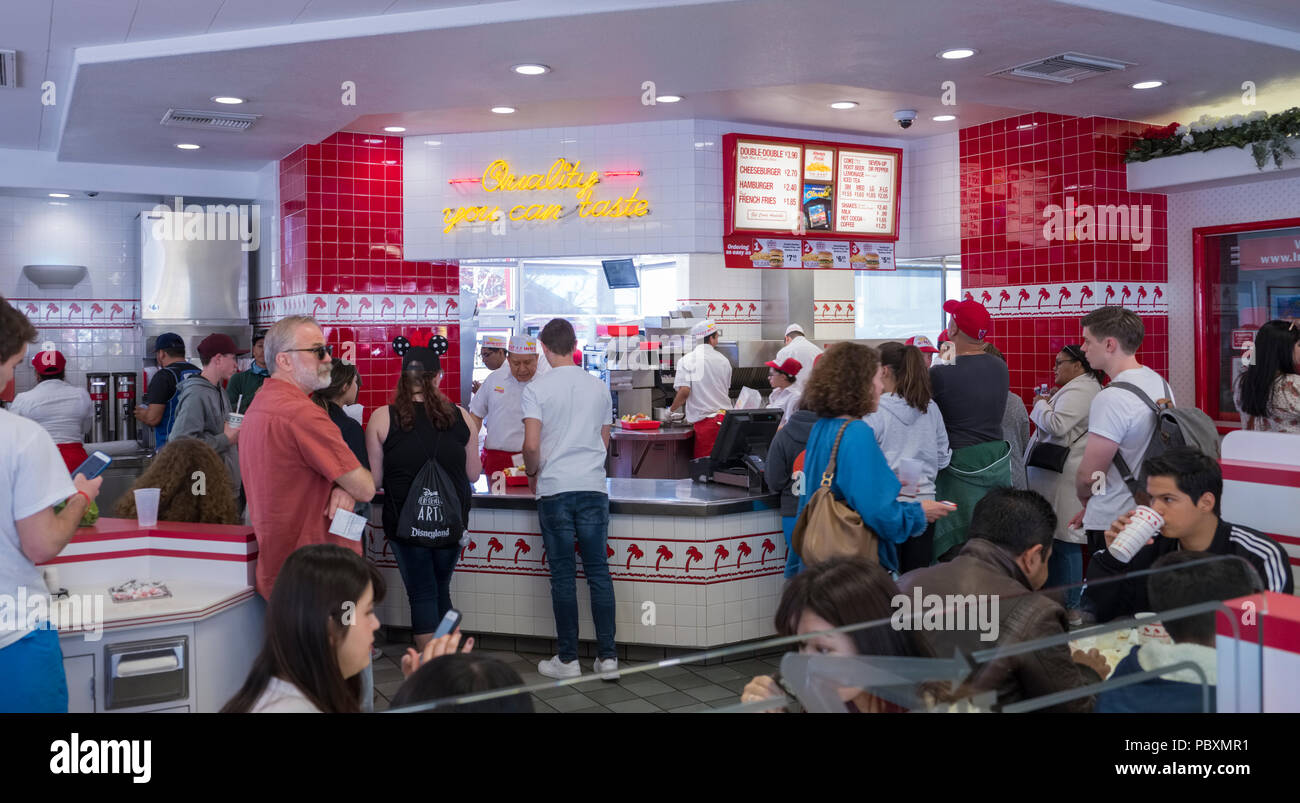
x=425 y=357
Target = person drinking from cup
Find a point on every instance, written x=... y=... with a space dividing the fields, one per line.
x=1185 y=488
x=204 y=411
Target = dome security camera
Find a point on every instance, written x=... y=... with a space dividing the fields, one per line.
x=91 y=193
x=905 y=117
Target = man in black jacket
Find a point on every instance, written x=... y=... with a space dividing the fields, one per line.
x=1185 y=488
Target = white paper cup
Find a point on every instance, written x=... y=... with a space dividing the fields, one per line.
x=1142 y=527
x=146 y=506
x=235 y=420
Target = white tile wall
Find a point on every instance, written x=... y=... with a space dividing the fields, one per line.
x=1258 y=200
x=931 y=203
x=101 y=235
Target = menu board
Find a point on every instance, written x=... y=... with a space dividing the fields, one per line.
x=864 y=191
x=819 y=164
x=768 y=187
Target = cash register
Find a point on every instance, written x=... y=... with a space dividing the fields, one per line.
x=739 y=455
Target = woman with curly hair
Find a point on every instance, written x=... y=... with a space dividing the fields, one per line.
x=208 y=499
x=846 y=385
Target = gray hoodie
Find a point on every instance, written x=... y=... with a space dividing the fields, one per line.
x=789 y=441
x=905 y=432
x=201 y=413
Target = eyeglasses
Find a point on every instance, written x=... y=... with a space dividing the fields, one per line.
x=1059 y=363
x=321 y=352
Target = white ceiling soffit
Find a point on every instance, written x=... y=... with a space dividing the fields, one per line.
x=756 y=61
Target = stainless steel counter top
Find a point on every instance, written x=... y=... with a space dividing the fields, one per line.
x=665 y=433
x=647 y=498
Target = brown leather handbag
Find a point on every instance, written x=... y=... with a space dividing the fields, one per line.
x=829 y=528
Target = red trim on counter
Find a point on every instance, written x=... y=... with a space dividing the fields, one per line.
x=153 y=552
x=1261 y=473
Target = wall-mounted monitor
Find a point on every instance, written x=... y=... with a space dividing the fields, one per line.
x=620 y=273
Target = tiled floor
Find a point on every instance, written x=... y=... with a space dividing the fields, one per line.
x=675 y=689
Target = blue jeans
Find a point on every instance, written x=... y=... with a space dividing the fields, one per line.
x=1065 y=567
x=793 y=565
x=31 y=675
x=584 y=516
x=426 y=573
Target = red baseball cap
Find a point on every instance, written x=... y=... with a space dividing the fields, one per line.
x=943 y=337
x=923 y=343
x=791 y=366
x=49 y=362
x=218 y=343
x=972 y=318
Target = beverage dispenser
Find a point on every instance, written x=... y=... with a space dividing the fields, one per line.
x=124 y=423
x=101 y=429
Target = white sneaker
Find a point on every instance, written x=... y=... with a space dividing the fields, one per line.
x=602 y=666
x=555 y=668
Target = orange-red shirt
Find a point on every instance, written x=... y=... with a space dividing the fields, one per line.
x=290 y=454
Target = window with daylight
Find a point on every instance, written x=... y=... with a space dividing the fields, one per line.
x=898 y=304
x=1246 y=275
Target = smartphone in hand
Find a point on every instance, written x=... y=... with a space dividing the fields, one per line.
x=448 y=624
x=93 y=466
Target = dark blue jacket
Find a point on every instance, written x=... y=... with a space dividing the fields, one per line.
x=1154 y=696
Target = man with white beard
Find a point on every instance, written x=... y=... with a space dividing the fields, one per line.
x=296 y=467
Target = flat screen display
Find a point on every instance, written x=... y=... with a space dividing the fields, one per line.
x=620 y=273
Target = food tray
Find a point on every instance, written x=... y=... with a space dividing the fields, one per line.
x=135 y=591
x=521 y=479
x=639 y=424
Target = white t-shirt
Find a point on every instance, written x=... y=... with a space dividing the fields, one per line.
x=32 y=478
x=499 y=402
x=573 y=406
x=282 y=697
x=64 y=410
x=1119 y=415
x=787 y=399
x=708 y=374
x=805 y=352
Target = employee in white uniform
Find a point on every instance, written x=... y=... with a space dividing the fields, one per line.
x=703 y=386
x=493 y=353
x=63 y=410
x=785 y=394
x=801 y=349
x=497 y=407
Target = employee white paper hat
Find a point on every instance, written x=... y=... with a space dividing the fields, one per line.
x=704 y=329
x=494 y=341
x=794 y=327
x=523 y=344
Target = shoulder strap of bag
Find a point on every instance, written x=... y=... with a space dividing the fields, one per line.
x=1137 y=391
x=829 y=474
x=1125 y=472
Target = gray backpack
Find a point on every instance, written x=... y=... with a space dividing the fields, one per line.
x=1175 y=427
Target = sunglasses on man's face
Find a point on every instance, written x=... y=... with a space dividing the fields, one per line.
x=321 y=352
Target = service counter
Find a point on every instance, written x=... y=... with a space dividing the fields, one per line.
x=663 y=453
x=694 y=565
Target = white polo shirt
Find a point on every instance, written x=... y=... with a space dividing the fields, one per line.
x=805 y=352
x=499 y=402
x=32 y=478
x=708 y=374
x=572 y=406
x=64 y=410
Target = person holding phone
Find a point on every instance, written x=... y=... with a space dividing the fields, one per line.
x=33 y=478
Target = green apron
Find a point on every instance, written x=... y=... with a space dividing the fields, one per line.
x=973 y=472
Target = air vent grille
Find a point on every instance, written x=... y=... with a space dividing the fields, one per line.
x=8 y=69
x=212 y=121
x=1065 y=68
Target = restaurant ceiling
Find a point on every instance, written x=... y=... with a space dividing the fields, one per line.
x=437 y=66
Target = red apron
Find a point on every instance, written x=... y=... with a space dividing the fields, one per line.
x=74 y=454
x=495 y=460
x=706 y=432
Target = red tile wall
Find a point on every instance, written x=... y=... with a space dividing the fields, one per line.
x=1011 y=170
x=341 y=232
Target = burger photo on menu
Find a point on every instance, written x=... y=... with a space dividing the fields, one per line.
x=809 y=256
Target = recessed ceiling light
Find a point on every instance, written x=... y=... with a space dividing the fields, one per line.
x=667 y=98
x=57 y=203
x=434 y=142
x=187 y=146
x=228 y=99
x=531 y=69
x=567 y=141
x=958 y=53
x=60 y=195
x=394 y=129
x=844 y=104
x=503 y=109
x=373 y=141
x=943 y=118
x=1148 y=84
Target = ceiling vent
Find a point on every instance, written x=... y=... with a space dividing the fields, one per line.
x=8 y=69
x=1066 y=68
x=211 y=121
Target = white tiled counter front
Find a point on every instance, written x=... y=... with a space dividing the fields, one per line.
x=712 y=578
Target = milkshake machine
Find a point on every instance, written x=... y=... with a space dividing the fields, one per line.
x=101 y=428
x=124 y=424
